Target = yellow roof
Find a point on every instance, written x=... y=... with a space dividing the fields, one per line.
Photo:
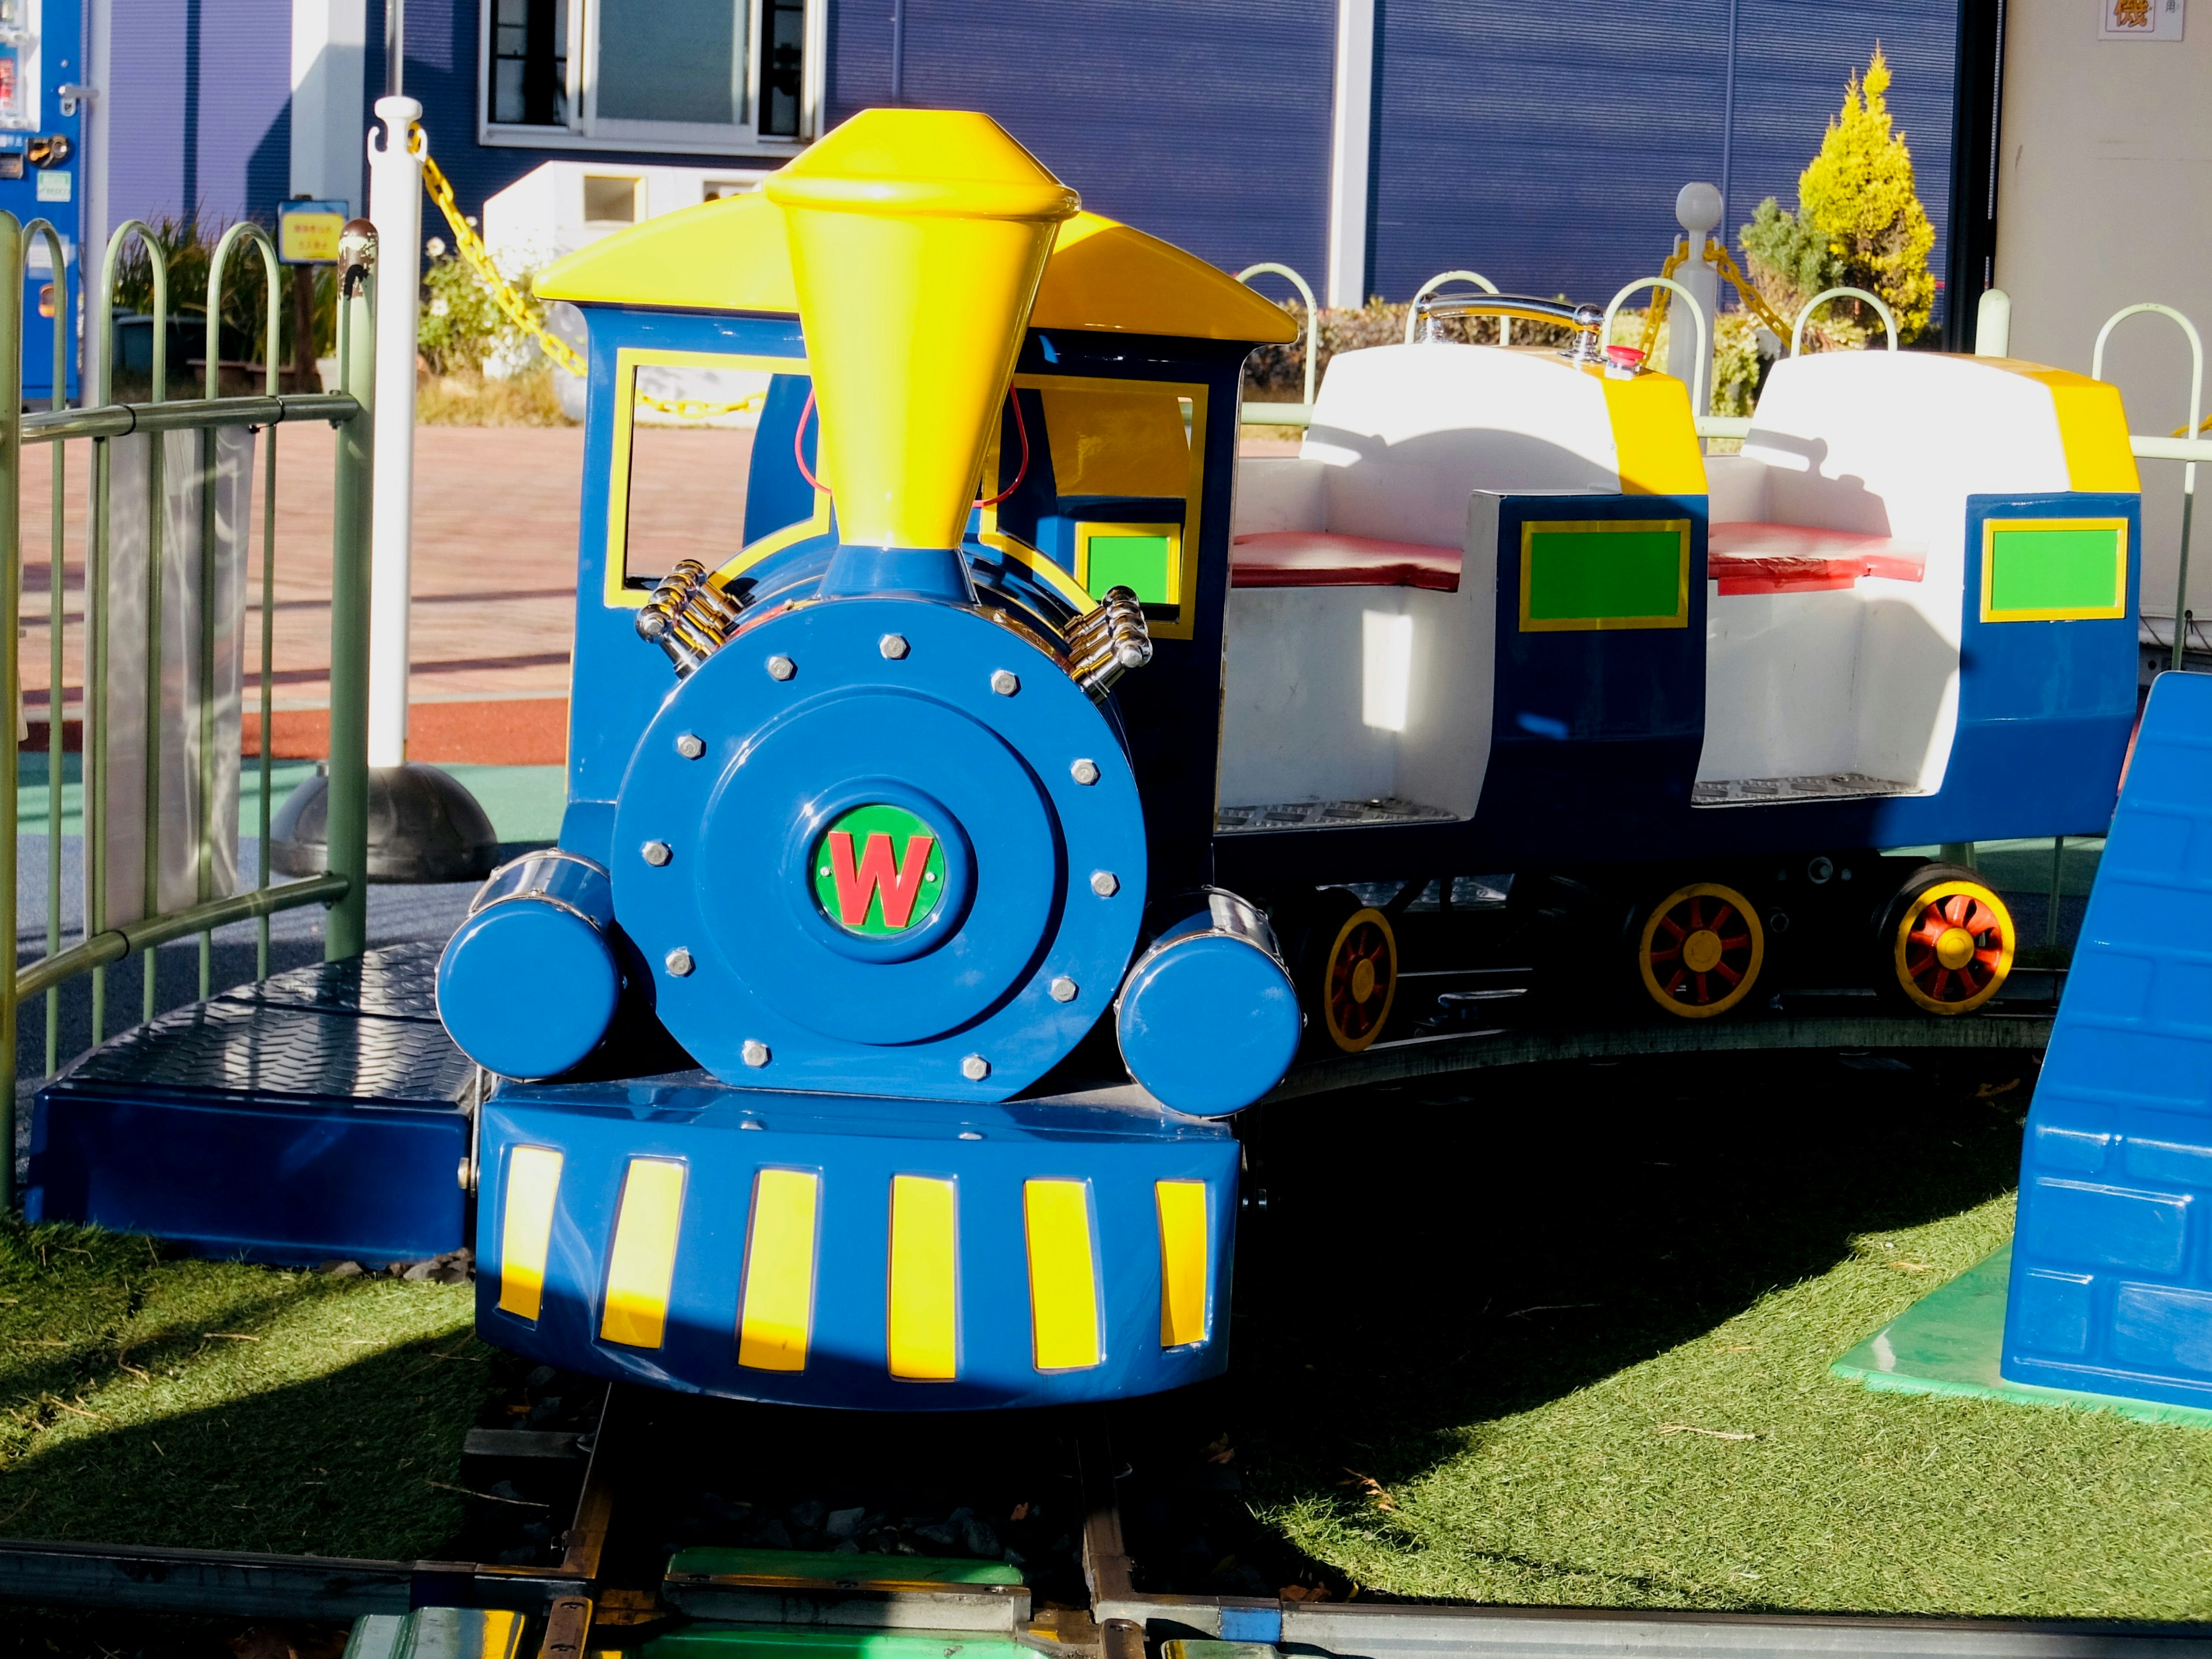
x=732 y=255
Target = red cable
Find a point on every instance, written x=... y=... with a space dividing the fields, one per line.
x=798 y=442
x=1023 y=470
x=799 y=450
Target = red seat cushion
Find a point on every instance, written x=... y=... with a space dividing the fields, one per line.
x=1791 y=558
x=1321 y=558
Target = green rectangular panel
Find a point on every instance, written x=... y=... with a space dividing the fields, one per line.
x=1603 y=575
x=2054 y=569
x=1139 y=563
x=725 y=1562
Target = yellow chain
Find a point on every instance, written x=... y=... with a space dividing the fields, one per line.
x=1657 y=315
x=1754 y=301
x=523 y=315
x=1717 y=256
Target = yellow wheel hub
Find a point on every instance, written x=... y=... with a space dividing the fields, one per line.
x=1954 y=946
x=1701 y=951
x=1359 y=980
x=1362 y=981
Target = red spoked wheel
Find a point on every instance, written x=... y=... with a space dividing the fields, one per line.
x=1701 y=950
x=1954 y=946
x=1359 y=980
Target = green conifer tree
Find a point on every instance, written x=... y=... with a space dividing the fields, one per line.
x=1859 y=222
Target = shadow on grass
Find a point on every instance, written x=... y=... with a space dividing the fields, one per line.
x=1435 y=1257
x=360 y=1462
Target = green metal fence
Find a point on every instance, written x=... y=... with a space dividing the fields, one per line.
x=99 y=423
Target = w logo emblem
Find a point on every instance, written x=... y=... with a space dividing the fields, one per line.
x=879 y=870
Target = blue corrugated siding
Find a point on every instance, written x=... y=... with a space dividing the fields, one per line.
x=1206 y=124
x=1547 y=154
x=199 y=107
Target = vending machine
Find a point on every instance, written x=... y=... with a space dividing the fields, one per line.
x=42 y=107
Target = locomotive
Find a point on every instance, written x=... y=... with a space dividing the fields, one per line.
x=1007 y=723
x=880 y=814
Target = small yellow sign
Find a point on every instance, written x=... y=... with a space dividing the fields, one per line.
x=307 y=232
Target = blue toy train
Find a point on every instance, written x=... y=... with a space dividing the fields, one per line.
x=893 y=805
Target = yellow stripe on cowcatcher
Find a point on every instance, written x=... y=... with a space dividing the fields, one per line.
x=643 y=1264
x=526 y=1228
x=776 y=1316
x=1183 y=1246
x=923 y=1340
x=1063 y=1282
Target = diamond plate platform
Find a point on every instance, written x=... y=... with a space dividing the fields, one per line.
x=1326 y=815
x=1824 y=785
x=322 y=1114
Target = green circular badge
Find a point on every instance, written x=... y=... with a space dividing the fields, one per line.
x=878 y=871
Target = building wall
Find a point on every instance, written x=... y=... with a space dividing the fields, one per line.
x=1206 y=125
x=2103 y=195
x=1548 y=156
x=199 y=113
x=1543 y=153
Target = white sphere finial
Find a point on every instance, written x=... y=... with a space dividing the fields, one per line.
x=1697 y=209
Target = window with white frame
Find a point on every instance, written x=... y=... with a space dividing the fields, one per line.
x=647 y=74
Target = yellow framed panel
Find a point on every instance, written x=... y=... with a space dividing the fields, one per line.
x=2062 y=589
x=1626 y=596
x=1184 y=623
x=1089 y=529
x=628 y=360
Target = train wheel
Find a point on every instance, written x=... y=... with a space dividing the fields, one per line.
x=1358 y=980
x=1951 y=940
x=1701 y=950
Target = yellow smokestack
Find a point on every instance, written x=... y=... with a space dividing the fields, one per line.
x=918 y=238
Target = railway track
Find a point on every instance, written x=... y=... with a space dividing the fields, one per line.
x=611 y=1581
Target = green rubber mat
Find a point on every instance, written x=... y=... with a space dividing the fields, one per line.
x=715 y=1561
x=1948 y=1342
x=787 y=1642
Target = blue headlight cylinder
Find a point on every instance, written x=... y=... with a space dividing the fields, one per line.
x=883 y=873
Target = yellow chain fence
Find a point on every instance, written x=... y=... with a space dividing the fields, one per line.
x=523 y=313
x=1717 y=256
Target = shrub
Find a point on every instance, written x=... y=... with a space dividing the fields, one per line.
x=461 y=325
x=1859 y=222
x=187 y=244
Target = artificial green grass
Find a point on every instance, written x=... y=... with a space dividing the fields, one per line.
x=1573 y=1347
x=153 y=1399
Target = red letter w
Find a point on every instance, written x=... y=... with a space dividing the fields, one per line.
x=899 y=886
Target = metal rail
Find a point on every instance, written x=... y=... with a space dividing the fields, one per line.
x=250 y=1584
x=1359 y=1630
x=1465 y=1051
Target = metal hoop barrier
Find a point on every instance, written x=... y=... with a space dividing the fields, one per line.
x=1705 y=329
x=2188 y=468
x=1269 y=268
x=102 y=941
x=1413 y=310
x=1888 y=317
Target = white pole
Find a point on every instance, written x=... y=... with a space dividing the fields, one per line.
x=395 y=205
x=1348 y=147
x=1696 y=209
x=1993 y=324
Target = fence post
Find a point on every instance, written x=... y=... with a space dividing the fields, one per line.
x=11 y=605
x=395 y=207
x=1698 y=210
x=346 y=932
